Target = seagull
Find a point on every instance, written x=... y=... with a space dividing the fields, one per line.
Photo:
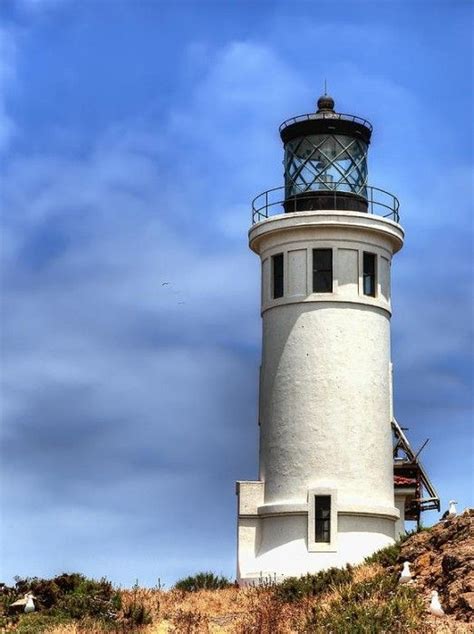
x=165 y=283
x=435 y=605
x=30 y=606
x=451 y=512
x=26 y=603
x=406 y=575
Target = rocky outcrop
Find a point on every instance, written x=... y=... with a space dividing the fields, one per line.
x=442 y=559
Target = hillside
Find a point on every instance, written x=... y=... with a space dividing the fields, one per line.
x=443 y=560
x=364 y=599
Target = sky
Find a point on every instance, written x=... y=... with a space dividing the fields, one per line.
x=133 y=137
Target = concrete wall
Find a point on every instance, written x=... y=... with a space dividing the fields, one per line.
x=277 y=545
x=283 y=546
x=325 y=392
x=400 y=500
x=325 y=403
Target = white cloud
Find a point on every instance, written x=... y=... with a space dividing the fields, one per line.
x=115 y=384
x=101 y=363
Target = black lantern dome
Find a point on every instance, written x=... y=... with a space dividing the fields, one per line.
x=325 y=102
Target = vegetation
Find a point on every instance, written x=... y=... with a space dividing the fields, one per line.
x=202 y=581
x=364 y=599
x=386 y=557
x=73 y=596
x=39 y=622
x=135 y=613
x=370 y=607
x=296 y=588
x=69 y=598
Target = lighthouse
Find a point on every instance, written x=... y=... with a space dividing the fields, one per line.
x=325 y=492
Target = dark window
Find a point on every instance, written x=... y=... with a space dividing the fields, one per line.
x=277 y=265
x=322 y=270
x=369 y=274
x=322 y=518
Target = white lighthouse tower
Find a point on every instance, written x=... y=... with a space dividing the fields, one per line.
x=325 y=493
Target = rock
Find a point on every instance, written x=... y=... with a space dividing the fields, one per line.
x=443 y=559
x=422 y=564
x=468 y=600
x=450 y=562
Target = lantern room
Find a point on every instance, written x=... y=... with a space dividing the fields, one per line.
x=326 y=160
x=325 y=167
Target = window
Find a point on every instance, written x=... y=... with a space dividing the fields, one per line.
x=322 y=270
x=277 y=267
x=322 y=518
x=369 y=273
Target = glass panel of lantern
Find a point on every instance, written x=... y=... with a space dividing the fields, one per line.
x=325 y=162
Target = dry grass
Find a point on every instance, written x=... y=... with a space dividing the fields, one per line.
x=90 y=628
x=369 y=571
x=431 y=626
x=247 y=611
x=239 y=611
x=259 y=611
x=448 y=626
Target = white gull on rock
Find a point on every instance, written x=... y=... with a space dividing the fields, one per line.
x=435 y=605
x=451 y=512
x=406 y=575
x=452 y=508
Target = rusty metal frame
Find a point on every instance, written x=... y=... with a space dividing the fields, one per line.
x=432 y=502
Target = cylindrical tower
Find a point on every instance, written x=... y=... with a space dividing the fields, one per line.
x=325 y=494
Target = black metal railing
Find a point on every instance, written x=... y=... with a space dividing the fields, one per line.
x=274 y=201
x=326 y=115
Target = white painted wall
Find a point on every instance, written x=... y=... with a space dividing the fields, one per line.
x=325 y=411
x=325 y=395
x=400 y=500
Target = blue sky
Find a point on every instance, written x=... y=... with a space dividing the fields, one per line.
x=133 y=136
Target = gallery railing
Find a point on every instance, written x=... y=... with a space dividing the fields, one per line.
x=326 y=115
x=375 y=201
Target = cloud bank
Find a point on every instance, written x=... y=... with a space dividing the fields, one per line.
x=130 y=326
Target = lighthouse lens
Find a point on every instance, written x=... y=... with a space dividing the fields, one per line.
x=326 y=162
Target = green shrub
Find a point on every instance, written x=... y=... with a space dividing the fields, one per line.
x=295 y=588
x=39 y=622
x=381 y=585
x=202 y=581
x=73 y=596
x=381 y=611
x=386 y=557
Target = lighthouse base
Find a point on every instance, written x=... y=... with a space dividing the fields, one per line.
x=274 y=541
